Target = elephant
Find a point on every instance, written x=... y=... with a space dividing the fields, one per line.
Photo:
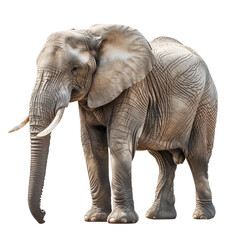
x=133 y=95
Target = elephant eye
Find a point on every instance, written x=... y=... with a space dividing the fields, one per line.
x=74 y=70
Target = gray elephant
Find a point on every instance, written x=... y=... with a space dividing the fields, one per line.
x=132 y=95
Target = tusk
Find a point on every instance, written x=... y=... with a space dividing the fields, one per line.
x=54 y=123
x=22 y=124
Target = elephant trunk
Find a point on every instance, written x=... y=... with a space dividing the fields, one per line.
x=39 y=154
x=47 y=98
x=40 y=116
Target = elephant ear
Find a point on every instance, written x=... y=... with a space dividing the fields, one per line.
x=124 y=59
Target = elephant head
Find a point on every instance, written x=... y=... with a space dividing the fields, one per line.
x=90 y=66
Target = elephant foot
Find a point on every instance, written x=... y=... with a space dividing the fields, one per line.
x=204 y=210
x=158 y=212
x=123 y=216
x=96 y=215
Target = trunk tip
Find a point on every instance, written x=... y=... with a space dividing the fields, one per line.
x=39 y=216
x=41 y=219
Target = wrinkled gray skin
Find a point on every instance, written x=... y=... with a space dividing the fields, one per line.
x=131 y=97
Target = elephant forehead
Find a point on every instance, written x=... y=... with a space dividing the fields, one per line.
x=57 y=55
x=67 y=46
x=50 y=55
x=81 y=53
x=64 y=35
x=75 y=39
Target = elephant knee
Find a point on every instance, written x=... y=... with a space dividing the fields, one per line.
x=118 y=147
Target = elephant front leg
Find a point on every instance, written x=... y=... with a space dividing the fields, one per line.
x=124 y=132
x=123 y=211
x=95 y=148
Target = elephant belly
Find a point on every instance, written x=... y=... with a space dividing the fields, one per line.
x=167 y=131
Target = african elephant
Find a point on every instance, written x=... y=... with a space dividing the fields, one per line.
x=132 y=95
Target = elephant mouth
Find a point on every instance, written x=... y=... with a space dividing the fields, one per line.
x=47 y=130
x=66 y=93
x=53 y=124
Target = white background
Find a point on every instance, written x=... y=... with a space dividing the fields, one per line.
x=209 y=27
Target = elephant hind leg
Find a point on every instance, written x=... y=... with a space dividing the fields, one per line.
x=163 y=206
x=199 y=153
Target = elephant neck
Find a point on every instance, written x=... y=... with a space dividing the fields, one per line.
x=83 y=104
x=95 y=116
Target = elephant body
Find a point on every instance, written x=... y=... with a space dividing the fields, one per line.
x=164 y=105
x=132 y=95
x=171 y=113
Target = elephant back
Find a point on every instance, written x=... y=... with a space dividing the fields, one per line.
x=166 y=40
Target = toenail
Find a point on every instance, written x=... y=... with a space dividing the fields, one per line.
x=112 y=220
